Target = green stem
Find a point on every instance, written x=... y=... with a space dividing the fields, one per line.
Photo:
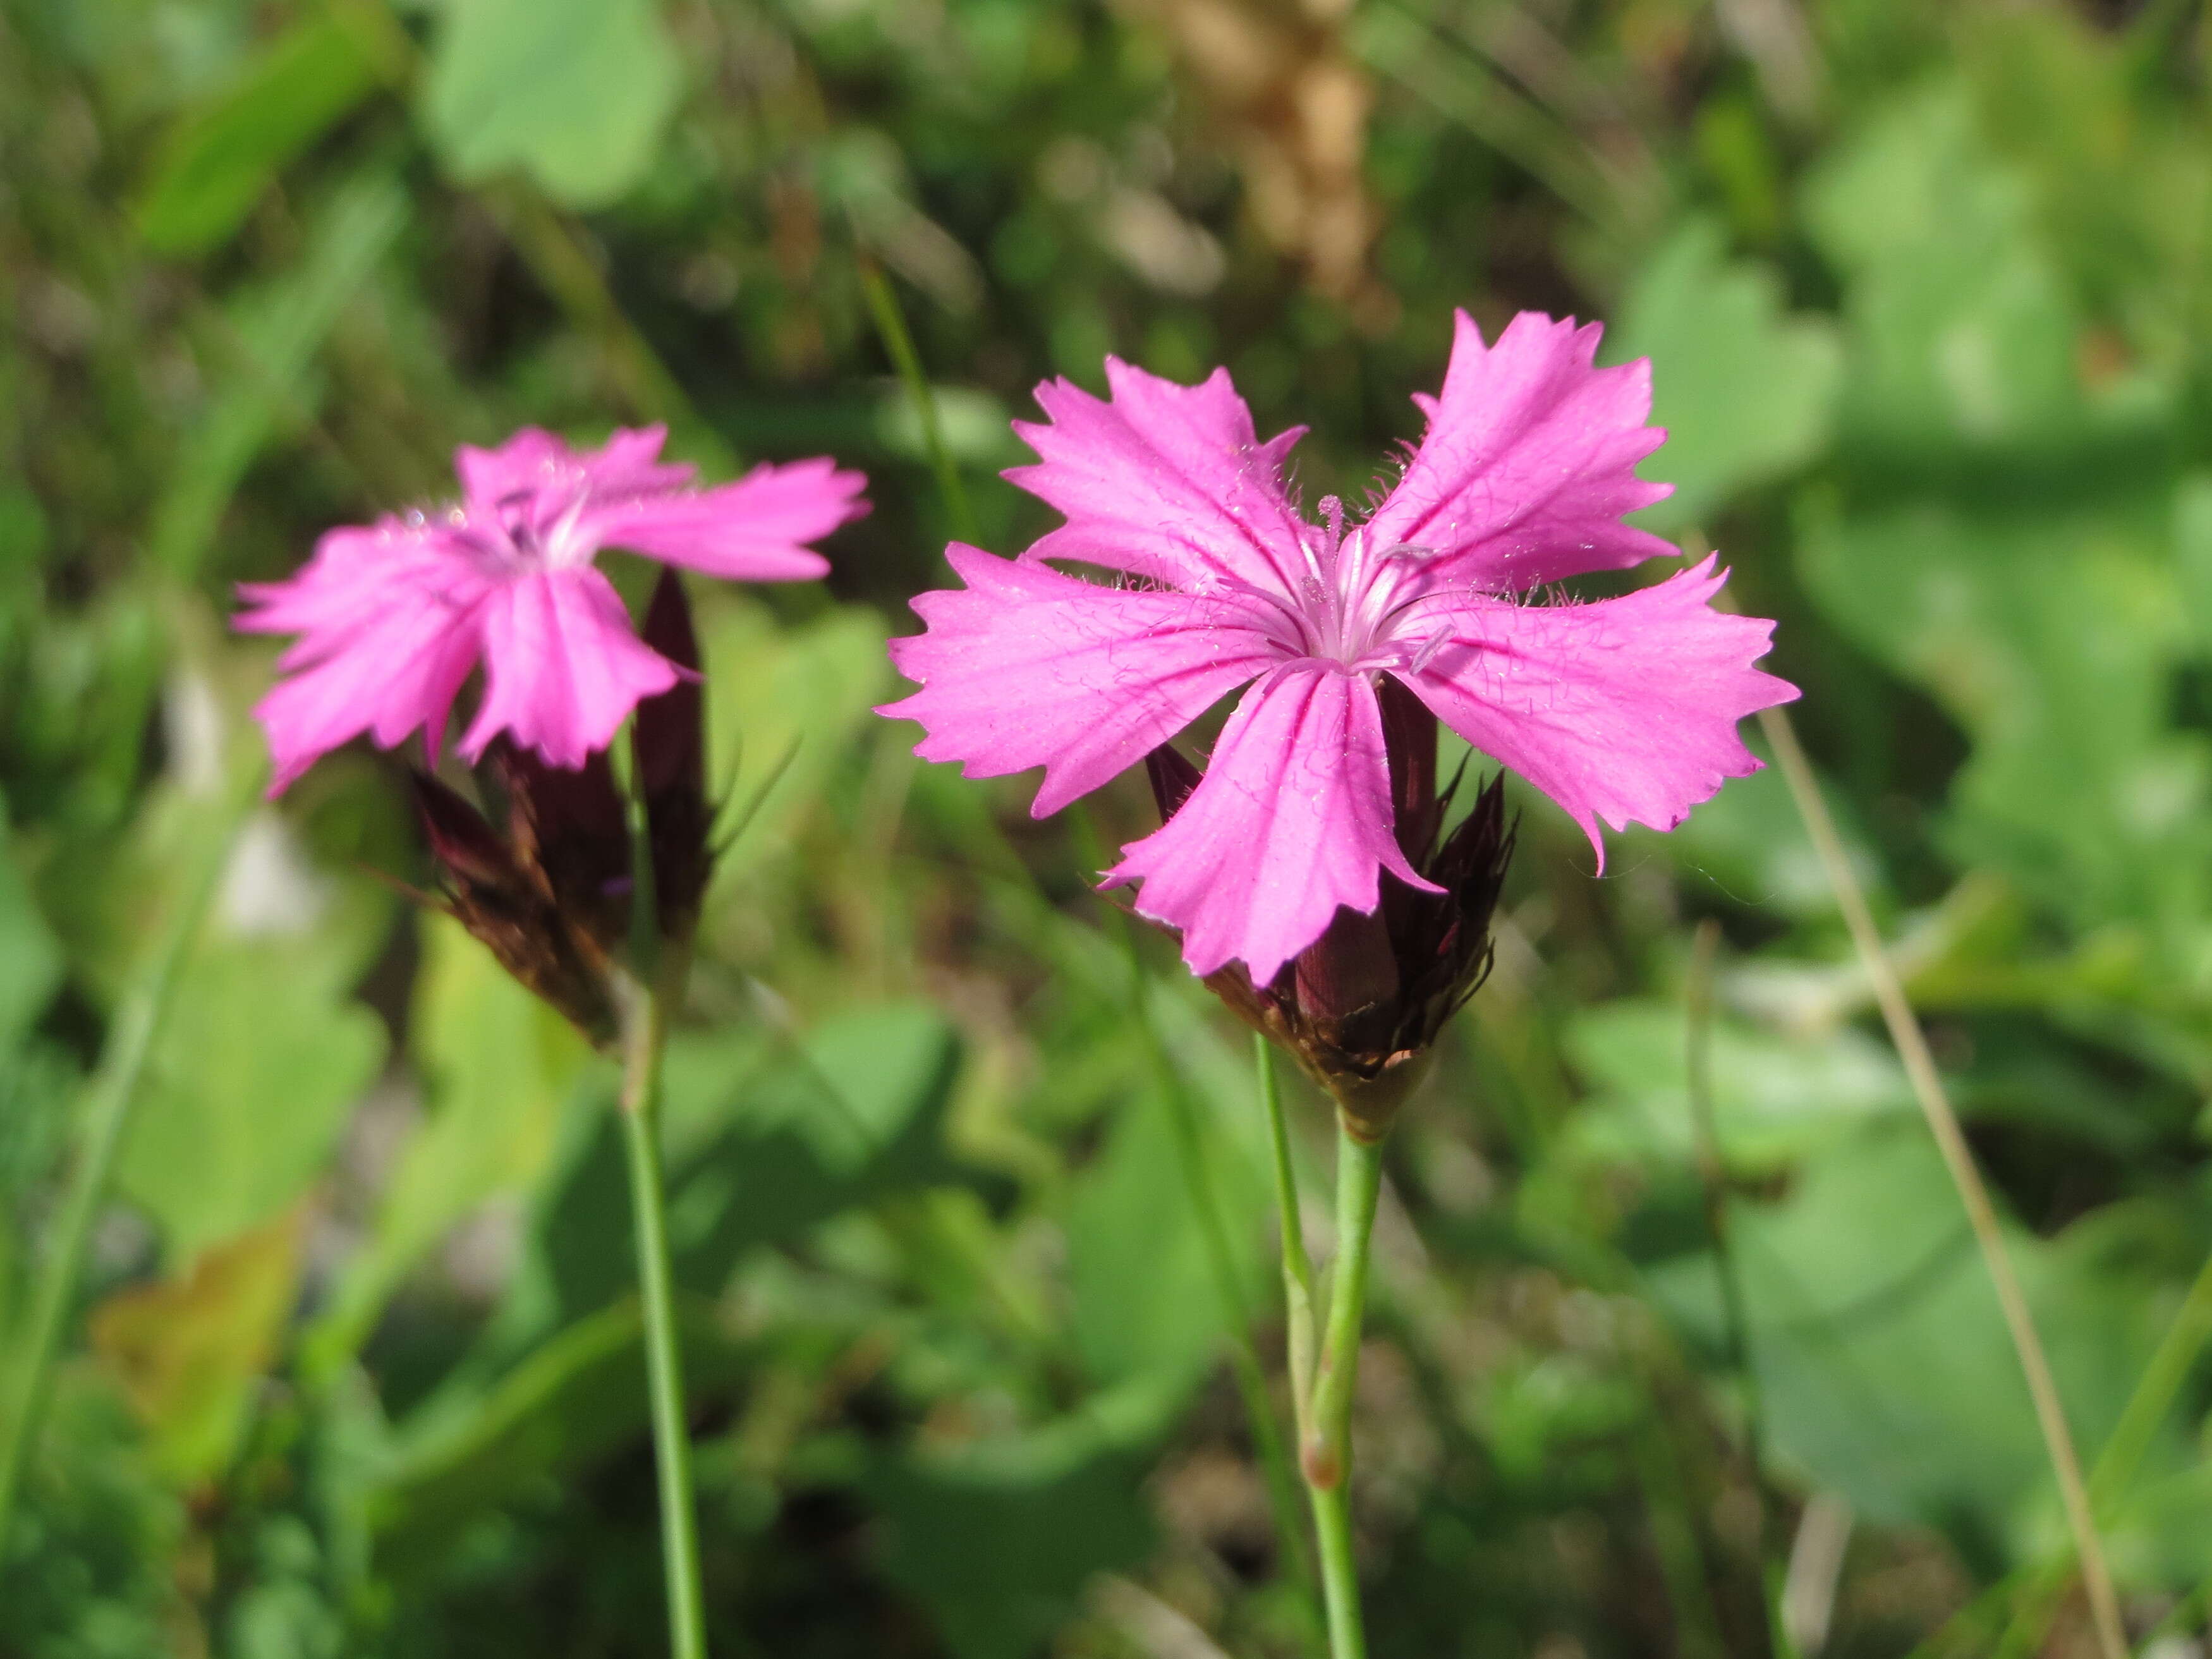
x=1221 y=1260
x=114 y=1091
x=1326 y=1455
x=890 y=324
x=1911 y=1045
x=644 y=1040
x=2147 y=1408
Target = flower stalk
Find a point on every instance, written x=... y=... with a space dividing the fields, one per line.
x=1323 y=1397
x=645 y=1039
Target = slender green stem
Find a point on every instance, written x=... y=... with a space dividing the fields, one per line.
x=2155 y=1390
x=107 y=1117
x=644 y=1040
x=1326 y=1455
x=2170 y=1364
x=1911 y=1045
x=890 y=324
x=1221 y=1262
x=1297 y=1267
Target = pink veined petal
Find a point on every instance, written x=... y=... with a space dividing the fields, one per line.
x=1163 y=481
x=1623 y=711
x=534 y=460
x=562 y=667
x=357 y=570
x=1026 y=666
x=1528 y=461
x=1291 y=820
x=754 y=529
x=395 y=673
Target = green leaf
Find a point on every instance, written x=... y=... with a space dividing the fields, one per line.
x=30 y=956
x=1745 y=392
x=574 y=93
x=1882 y=1357
x=763 y=1144
x=783 y=705
x=572 y=1401
x=278 y=330
x=998 y=1539
x=261 y=1056
x=496 y=1066
x=1748 y=845
x=1960 y=332
x=1143 y=1298
x=190 y=1350
x=217 y=162
x=1775 y=1098
x=2050 y=640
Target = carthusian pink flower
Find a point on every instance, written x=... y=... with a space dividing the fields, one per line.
x=1621 y=710
x=393 y=617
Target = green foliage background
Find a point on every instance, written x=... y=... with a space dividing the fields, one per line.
x=1928 y=289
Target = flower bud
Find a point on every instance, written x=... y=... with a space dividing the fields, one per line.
x=569 y=826
x=506 y=899
x=670 y=744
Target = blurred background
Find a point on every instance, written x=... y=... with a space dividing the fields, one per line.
x=1928 y=288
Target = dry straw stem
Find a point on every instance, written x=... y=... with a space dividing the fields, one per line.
x=1943 y=1123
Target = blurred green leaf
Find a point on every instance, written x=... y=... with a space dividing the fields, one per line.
x=573 y=1401
x=574 y=93
x=1775 y=1098
x=763 y=1143
x=30 y=956
x=217 y=160
x=783 y=704
x=265 y=371
x=997 y=1538
x=261 y=1056
x=497 y=1064
x=1748 y=845
x=2050 y=640
x=1745 y=392
x=190 y=1350
x=1144 y=1301
x=1961 y=330
x=1882 y=1356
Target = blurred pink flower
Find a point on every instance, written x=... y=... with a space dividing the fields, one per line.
x=1621 y=709
x=392 y=616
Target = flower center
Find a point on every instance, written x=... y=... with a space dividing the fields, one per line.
x=1352 y=596
x=534 y=528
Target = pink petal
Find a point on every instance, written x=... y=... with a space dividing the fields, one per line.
x=1529 y=460
x=756 y=529
x=1624 y=710
x=563 y=668
x=534 y=461
x=389 y=623
x=1026 y=667
x=1163 y=481
x=1291 y=820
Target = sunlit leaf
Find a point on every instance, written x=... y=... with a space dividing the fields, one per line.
x=218 y=160
x=574 y=93
x=1745 y=391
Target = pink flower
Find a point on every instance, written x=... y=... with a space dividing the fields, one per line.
x=392 y=616
x=1621 y=710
